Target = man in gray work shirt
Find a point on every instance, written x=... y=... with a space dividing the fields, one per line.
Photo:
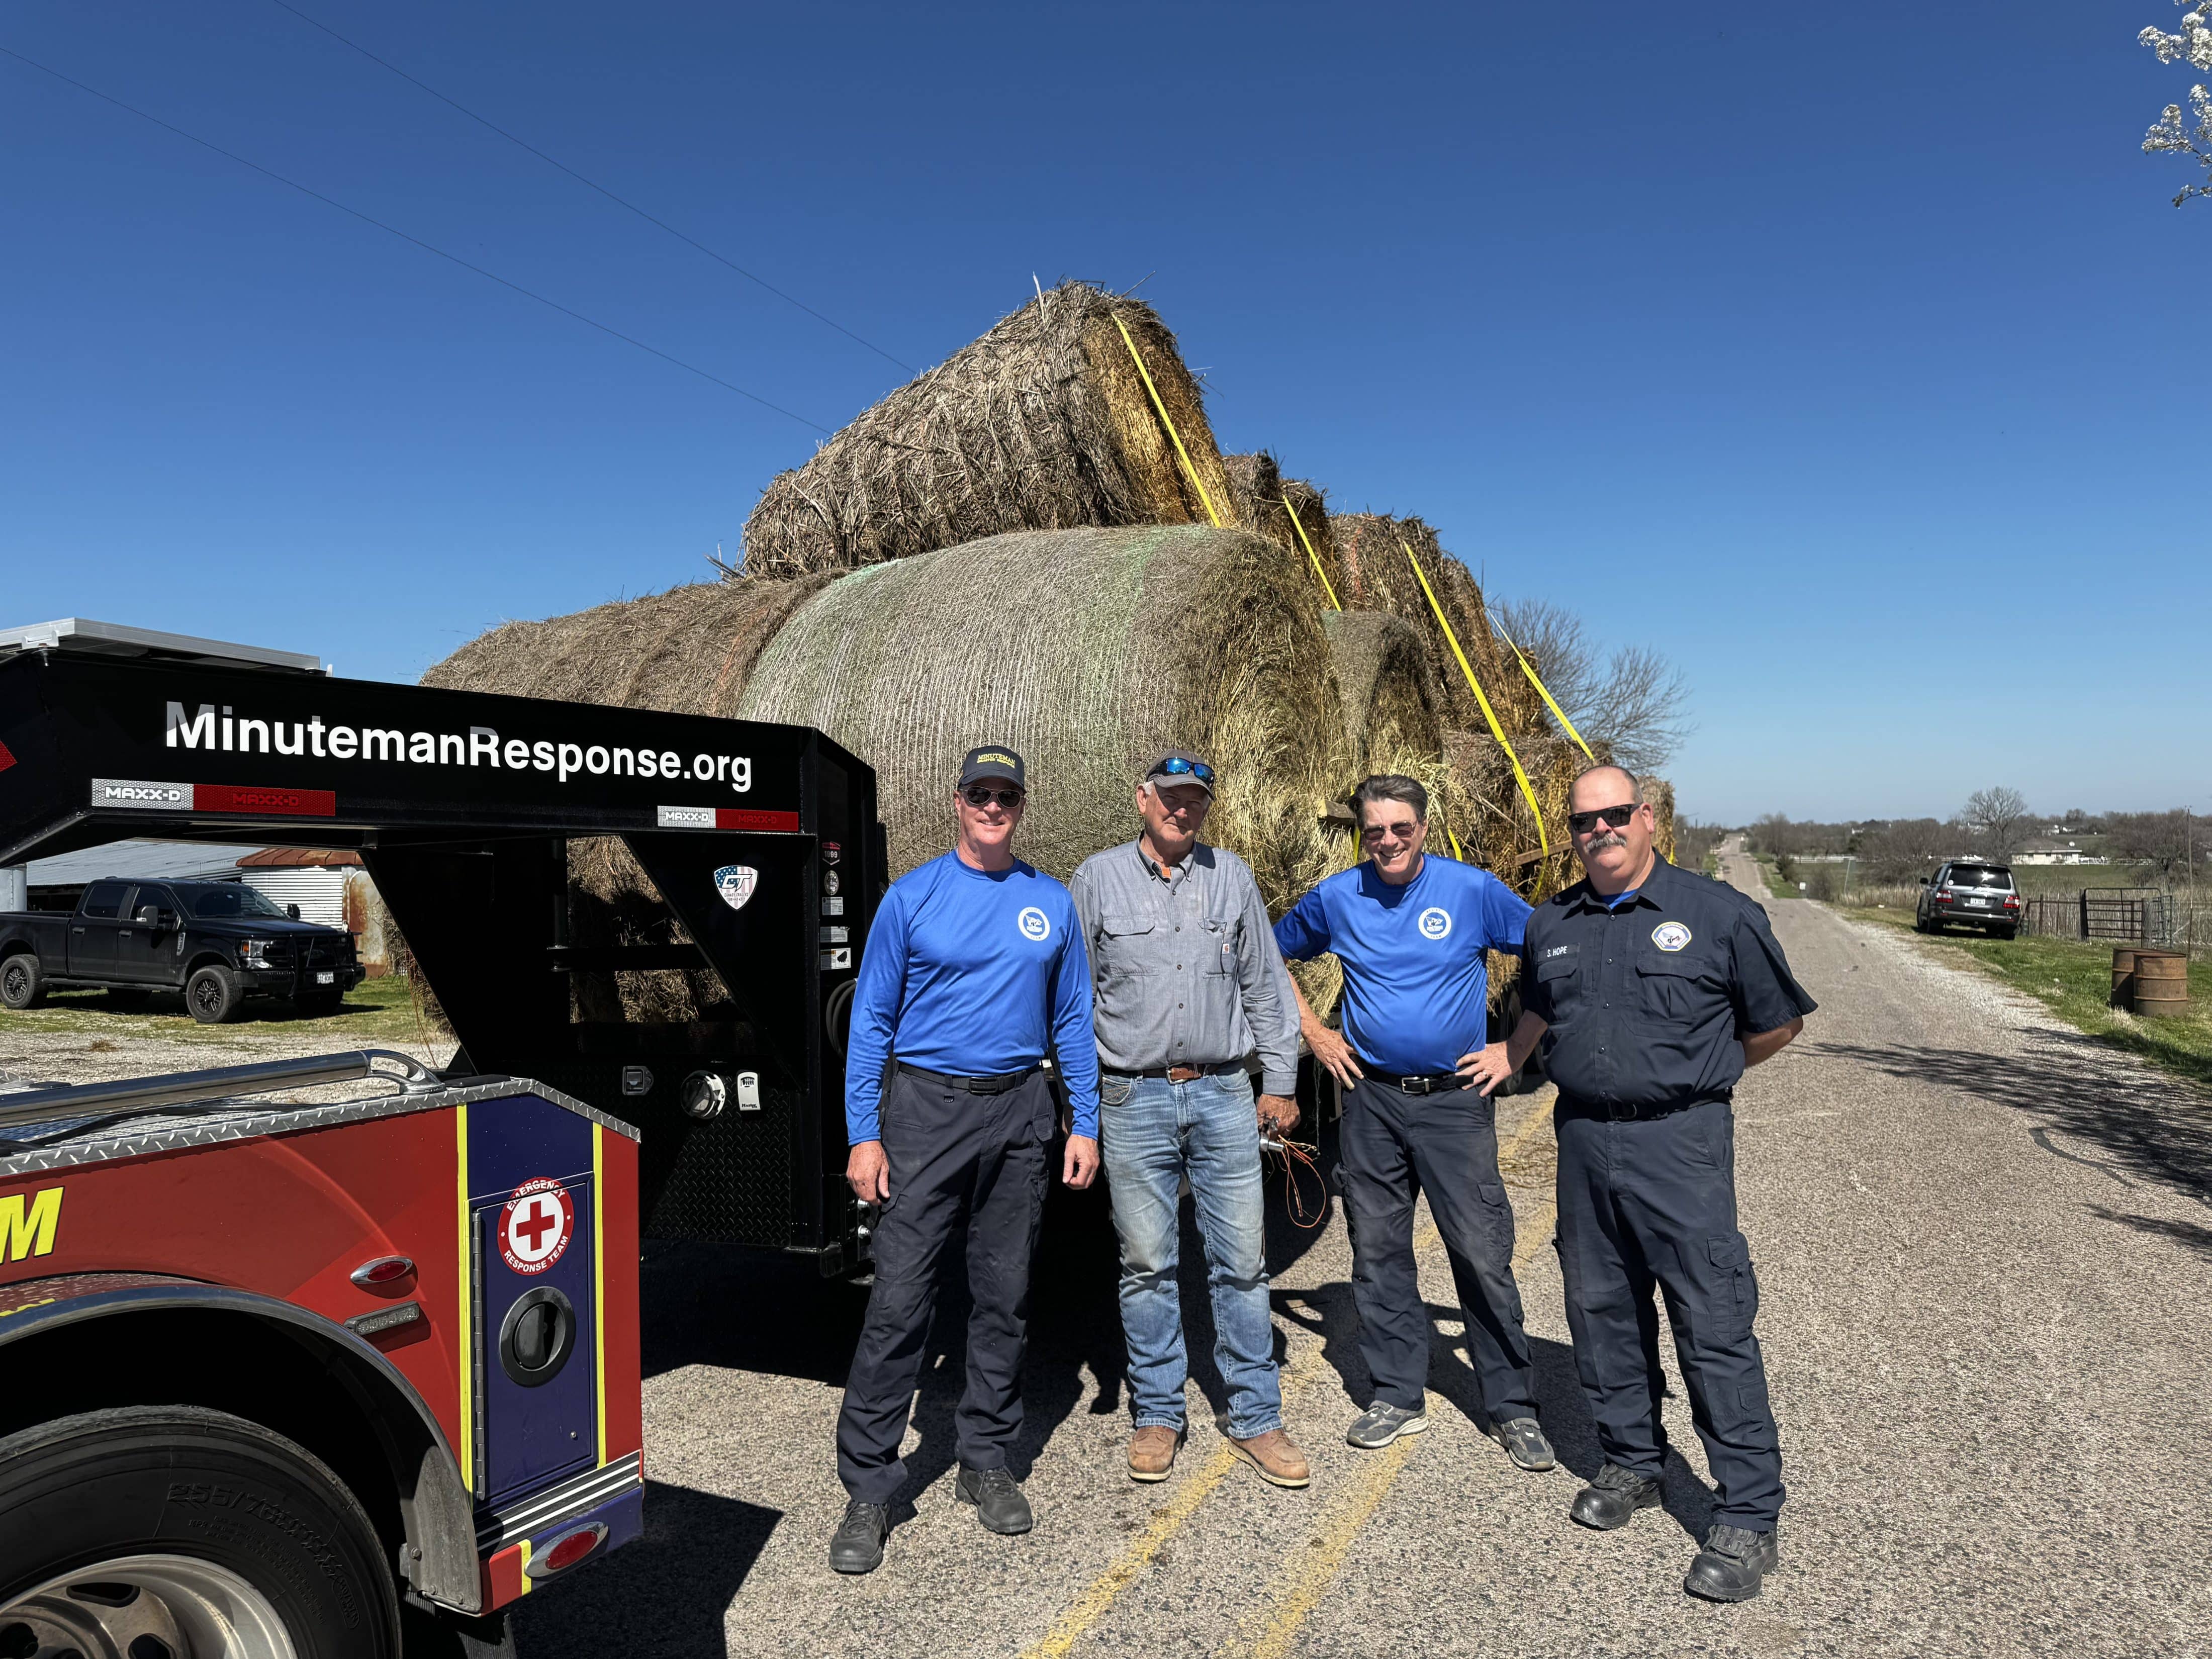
x=1188 y=984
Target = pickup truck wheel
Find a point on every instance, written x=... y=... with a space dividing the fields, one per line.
x=212 y=995
x=22 y=981
x=169 y=1530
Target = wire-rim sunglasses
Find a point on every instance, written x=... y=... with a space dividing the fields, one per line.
x=1614 y=817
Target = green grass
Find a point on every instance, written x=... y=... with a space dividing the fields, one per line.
x=377 y=1010
x=2074 y=981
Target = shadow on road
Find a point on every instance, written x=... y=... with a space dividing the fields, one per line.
x=2083 y=1105
x=676 y=1583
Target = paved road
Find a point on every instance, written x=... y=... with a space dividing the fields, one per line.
x=1985 y=1256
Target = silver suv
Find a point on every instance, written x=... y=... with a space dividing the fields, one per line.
x=1972 y=890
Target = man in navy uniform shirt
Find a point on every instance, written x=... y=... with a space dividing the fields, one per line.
x=1410 y=931
x=1651 y=992
x=975 y=969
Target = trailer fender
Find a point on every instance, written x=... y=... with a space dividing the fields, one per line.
x=440 y=1556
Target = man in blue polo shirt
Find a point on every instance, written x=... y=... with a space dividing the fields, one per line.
x=1411 y=931
x=975 y=969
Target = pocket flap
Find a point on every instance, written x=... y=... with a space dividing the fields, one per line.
x=1560 y=966
x=1124 y=926
x=1674 y=964
x=1726 y=1252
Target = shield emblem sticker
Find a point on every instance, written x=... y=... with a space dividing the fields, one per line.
x=735 y=883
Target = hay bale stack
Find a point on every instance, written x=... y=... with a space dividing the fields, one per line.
x=1386 y=681
x=1257 y=485
x=1088 y=651
x=1043 y=424
x=688 y=651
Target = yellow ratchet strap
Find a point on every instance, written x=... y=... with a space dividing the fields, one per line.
x=1528 y=792
x=1316 y=557
x=1189 y=467
x=1550 y=702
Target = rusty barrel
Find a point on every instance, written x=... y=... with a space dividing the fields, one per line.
x=2161 y=983
x=2124 y=976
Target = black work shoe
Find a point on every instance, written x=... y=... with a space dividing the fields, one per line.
x=1613 y=1498
x=1524 y=1444
x=858 y=1544
x=1381 y=1423
x=1731 y=1565
x=999 y=1504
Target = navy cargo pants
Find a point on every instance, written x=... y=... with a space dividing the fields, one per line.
x=1391 y=1146
x=954 y=1157
x=1653 y=1201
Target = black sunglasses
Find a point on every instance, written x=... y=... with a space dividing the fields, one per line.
x=1176 y=766
x=1614 y=817
x=979 y=797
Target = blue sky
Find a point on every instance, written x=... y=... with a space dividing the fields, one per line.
x=1842 y=353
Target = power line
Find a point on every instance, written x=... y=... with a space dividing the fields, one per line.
x=493 y=126
x=454 y=259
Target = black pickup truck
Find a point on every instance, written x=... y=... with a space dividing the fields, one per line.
x=219 y=942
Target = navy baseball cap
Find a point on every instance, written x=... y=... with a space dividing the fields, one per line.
x=993 y=760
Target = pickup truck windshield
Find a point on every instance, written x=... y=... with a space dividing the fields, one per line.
x=219 y=900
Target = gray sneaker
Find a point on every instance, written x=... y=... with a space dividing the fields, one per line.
x=1379 y=1425
x=1524 y=1444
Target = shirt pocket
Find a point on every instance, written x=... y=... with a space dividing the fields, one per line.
x=1126 y=942
x=1219 y=940
x=1560 y=976
x=1678 y=989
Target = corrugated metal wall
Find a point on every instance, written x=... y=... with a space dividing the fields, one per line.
x=319 y=893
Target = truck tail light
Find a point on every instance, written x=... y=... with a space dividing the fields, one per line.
x=1943 y=893
x=567 y=1550
x=2012 y=901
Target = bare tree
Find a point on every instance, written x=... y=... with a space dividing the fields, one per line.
x=1998 y=816
x=1631 y=704
x=2171 y=134
x=2165 y=840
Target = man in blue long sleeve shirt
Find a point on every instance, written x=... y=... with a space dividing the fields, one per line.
x=975 y=971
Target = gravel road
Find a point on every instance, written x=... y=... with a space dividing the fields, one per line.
x=1984 y=1251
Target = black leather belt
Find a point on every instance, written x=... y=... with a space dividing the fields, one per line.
x=975 y=1085
x=1622 y=1112
x=1429 y=1083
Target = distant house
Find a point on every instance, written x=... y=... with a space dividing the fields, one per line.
x=2053 y=852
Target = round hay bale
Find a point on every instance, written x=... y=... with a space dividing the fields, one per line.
x=1088 y=651
x=1383 y=675
x=1043 y=424
x=688 y=651
x=1261 y=492
x=1370 y=548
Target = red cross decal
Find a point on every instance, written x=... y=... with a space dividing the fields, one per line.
x=536 y=1225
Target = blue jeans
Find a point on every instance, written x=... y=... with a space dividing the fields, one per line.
x=1151 y=1138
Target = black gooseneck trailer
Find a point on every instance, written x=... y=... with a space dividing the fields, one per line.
x=762 y=841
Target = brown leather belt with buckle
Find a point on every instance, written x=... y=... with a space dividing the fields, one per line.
x=1182 y=1073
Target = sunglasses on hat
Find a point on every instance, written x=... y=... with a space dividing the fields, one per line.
x=1175 y=766
x=979 y=797
x=1614 y=817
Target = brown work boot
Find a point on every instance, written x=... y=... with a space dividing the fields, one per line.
x=1277 y=1457
x=1153 y=1451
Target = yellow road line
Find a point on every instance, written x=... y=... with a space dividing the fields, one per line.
x=1306 y=1580
x=1318 y=1566
x=1085 y=1611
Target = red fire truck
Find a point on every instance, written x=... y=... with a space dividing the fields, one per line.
x=340 y=1356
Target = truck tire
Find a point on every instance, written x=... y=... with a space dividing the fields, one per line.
x=171 y=1529
x=22 y=981
x=212 y=995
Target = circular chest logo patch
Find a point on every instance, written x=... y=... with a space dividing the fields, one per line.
x=1436 y=923
x=537 y=1224
x=1670 y=936
x=1034 y=924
